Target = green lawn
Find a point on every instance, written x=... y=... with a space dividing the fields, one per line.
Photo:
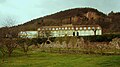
x=42 y=59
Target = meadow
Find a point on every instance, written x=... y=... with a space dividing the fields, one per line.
x=36 y=58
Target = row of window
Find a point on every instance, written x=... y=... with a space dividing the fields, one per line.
x=66 y=28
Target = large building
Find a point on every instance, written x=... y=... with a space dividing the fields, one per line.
x=61 y=31
x=69 y=30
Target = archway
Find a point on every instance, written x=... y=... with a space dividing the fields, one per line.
x=73 y=33
x=77 y=33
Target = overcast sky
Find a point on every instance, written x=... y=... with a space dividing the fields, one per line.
x=26 y=10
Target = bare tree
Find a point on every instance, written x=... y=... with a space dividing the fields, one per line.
x=7 y=42
x=9 y=22
x=2 y=50
x=115 y=44
x=7 y=46
x=10 y=45
x=25 y=42
x=59 y=41
x=73 y=41
x=8 y=30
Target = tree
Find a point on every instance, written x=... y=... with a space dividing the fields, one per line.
x=7 y=42
x=115 y=43
x=66 y=39
x=25 y=42
x=10 y=45
x=8 y=30
x=59 y=41
x=111 y=13
x=73 y=41
x=7 y=46
x=2 y=49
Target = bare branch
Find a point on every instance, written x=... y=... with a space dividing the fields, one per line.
x=9 y=22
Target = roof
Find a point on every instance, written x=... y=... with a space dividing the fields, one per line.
x=70 y=27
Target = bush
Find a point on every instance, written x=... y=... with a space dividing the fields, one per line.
x=101 y=38
x=41 y=40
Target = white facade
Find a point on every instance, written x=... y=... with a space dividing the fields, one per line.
x=28 y=34
x=61 y=31
x=70 y=30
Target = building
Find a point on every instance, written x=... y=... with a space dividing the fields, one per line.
x=28 y=34
x=61 y=31
x=69 y=30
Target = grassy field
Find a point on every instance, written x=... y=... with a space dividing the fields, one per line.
x=42 y=59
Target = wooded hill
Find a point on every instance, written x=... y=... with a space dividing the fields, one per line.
x=82 y=16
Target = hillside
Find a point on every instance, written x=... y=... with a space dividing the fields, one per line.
x=115 y=22
x=75 y=16
x=82 y=16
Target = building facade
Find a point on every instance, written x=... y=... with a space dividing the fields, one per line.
x=28 y=34
x=69 y=30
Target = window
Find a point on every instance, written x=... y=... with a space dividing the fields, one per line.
x=62 y=28
x=65 y=28
x=69 y=28
x=56 y=28
x=84 y=28
x=76 y=28
x=89 y=28
x=72 y=28
x=59 y=28
x=53 y=28
x=80 y=28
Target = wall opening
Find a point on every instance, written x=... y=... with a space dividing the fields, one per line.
x=77 y=33
x=73 y=33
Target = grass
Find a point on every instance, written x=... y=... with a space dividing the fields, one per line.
x=42 y=59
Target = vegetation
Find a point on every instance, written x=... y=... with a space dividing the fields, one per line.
x=102 y=38
x=41 y=59
x=79 y=52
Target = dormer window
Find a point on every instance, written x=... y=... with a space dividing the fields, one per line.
x=62 y=28
x=89 y=28
x=76 y=28
x=72 y=28
x=69 y=28
x=84 y=28
x=65 y=28
x=59 y=28
x=53 y=28
x=80 y=28
x=56 y=28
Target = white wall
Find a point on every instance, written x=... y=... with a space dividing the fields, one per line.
x=62 y=33
x=28 y=34
x=82 y=32
x=99 y=32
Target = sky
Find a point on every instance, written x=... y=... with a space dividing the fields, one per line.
x=25 y=10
